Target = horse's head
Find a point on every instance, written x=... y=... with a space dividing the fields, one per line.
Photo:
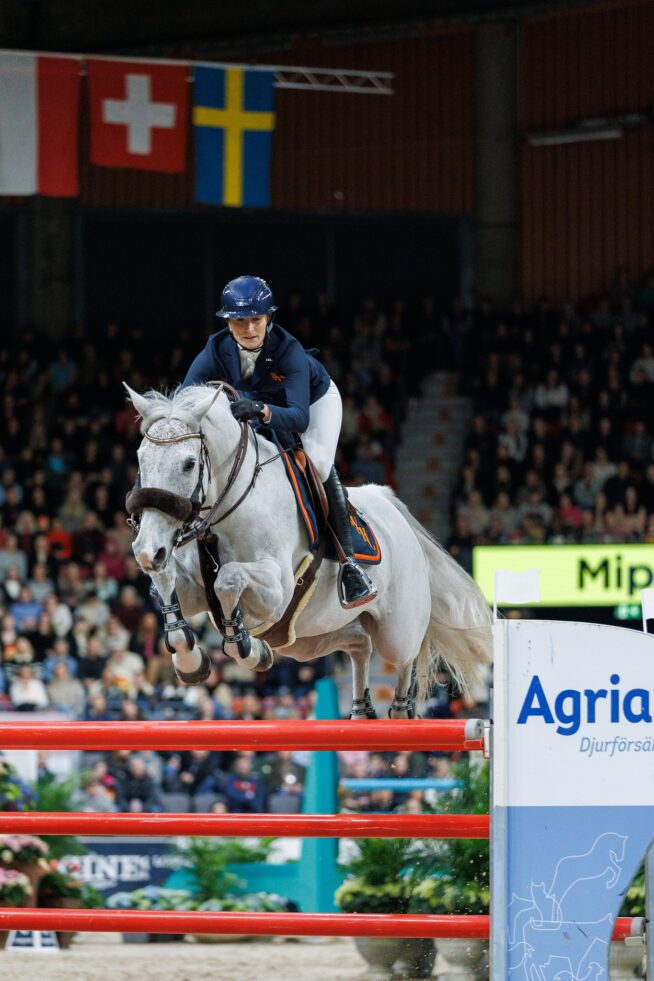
x=173 y=469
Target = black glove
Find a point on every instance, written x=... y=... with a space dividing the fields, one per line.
x=246 y=409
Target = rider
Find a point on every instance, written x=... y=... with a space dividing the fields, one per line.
x=285 y=388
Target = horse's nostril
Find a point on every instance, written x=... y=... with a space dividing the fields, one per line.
x=159 y=558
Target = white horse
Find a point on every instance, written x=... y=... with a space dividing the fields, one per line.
x=428 y=612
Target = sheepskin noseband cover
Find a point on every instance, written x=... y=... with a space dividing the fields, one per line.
x=171 y=504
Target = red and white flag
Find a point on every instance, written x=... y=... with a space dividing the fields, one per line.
x=139 y=115
x=39 y=119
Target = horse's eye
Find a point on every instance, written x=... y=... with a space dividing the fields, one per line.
x=188 y=465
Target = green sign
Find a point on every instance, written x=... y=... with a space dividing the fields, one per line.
x=628 y=611
x=572 y=575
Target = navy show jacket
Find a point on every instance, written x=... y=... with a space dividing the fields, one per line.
x=286 y=377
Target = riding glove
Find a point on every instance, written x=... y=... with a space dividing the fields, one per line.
x=246 y=409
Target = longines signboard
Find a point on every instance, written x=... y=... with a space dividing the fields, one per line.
x=572 y=575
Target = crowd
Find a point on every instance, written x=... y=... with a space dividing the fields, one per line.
x=560 y=448
x=559 y=451
x=79 y=631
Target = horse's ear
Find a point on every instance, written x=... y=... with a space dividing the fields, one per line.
x=204 y=403
x=140 y=402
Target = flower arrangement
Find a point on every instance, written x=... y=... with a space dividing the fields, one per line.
x=382 y=876
x=56 y=885
x=15 y=888
x=158 y=897
x=152 y=897
x=23 y=848
x=634 y=902
x=14 y=794
x=448 y=895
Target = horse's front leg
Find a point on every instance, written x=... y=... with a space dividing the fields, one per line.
x=192 y=664
x=261 y=585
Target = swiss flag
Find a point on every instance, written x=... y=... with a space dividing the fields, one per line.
x=139 y=115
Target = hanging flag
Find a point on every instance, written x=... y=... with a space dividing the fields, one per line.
x=234 y=119
x=139 y=115
x=517 y=587
x=39 y=119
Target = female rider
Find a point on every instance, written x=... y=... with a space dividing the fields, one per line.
x=285 y=388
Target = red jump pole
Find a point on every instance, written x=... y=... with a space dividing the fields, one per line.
x=393 y=734
x=280 y=825
x=262 y=924
x=255 y=924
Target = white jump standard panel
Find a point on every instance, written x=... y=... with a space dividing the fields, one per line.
x=573 y=792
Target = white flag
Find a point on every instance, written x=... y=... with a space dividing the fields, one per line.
x=517 y=587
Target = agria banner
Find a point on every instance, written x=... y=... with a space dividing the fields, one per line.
x=572 y=575
x=573 y=792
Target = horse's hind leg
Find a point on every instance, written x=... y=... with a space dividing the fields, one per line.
x=354 y=640
x=404 y=700
x=362 y=707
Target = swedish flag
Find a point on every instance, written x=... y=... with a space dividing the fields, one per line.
x=234 y=119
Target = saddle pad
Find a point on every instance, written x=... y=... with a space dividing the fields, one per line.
x=366 y=546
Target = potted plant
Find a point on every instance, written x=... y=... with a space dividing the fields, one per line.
x=26 y=854
x=258 y=902
x=458 y=879
x=59 y=795
x=152 y=898
x=59 y=890
x=14 y=794
x=211 y=881
x=381 y=879
x=15 y=890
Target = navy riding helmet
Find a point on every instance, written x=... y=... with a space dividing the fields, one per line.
x=246 y=296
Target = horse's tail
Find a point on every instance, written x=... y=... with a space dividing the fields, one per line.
x=459 y=635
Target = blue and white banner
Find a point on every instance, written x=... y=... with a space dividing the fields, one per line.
x=573 y=792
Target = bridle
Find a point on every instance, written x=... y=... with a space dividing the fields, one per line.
x=189 y=510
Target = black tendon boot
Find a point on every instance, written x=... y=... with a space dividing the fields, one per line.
x=355 y=587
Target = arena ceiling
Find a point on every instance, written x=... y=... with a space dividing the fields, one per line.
x=132 y=26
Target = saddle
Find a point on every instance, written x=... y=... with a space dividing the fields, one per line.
x=314 y=510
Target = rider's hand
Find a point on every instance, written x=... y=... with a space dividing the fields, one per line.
x=246 y=409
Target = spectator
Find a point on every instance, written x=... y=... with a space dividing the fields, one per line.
x=66 y=694
x=25 y=610
x=135 y=788
x=244 y=791
x=94 y=797
x=27 y=693
x=12 y=556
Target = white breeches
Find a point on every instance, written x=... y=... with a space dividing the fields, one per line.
x=320 y=439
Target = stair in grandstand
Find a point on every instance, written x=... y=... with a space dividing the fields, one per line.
x=431 y=452
x=427 y=467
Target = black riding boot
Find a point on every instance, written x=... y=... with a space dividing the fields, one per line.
x=355 y=587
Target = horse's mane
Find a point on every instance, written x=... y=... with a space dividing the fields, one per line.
x=175 y=404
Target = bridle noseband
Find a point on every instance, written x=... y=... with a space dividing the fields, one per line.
x=188 y=509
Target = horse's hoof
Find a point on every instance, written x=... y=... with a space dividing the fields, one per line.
x=200 y=674
x=267 y=657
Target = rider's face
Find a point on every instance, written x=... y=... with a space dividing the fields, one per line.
x=249 y=332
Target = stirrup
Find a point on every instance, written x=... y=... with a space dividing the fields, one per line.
x=200 y=674
x=371 y=589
